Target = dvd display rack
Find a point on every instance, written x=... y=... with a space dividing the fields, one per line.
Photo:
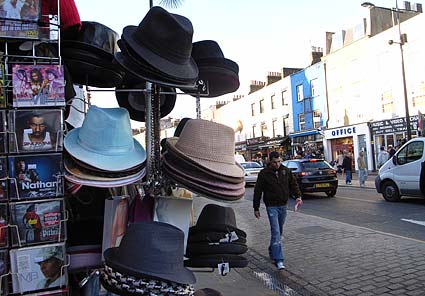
x=32 y=101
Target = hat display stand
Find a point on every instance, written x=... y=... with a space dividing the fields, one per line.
x=33 y=210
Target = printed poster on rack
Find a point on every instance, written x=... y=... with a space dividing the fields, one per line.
x=38 y=85
x=19 y=18
x=35 y=176
x=4 y=262
x=36 y=130
x=3 y=132
x=37 y=222
x=3 y=178
x=2 y=85
x=36 y=268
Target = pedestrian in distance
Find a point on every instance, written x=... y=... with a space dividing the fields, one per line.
x=361 y=163
x=391 y=151
x=275 y=184
x=382 y=157
x=347 y=166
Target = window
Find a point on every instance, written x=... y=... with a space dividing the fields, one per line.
x=285 y=126
x=300 y=94
x=301 y=119
x=274 y=126
x=273 y=101
x=284 y=100
x=313 y=85
x=253 y=109
x=317 y=118
x=263 y=129
x=253 y=131
x=262 y=106
x=387 y=102
x=410 y=153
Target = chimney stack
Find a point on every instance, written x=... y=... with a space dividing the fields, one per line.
x=272 y=77
x=289 y=71
x=256 y=85
x=316 y=54
x=237 y=97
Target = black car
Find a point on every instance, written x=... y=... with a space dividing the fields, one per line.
x=314 y=175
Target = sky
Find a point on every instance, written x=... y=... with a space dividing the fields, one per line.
x=260 y=36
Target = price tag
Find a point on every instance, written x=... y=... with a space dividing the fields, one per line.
x=234 y=236
x=202 y=86
x=223 y=268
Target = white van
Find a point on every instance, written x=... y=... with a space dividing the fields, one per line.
x=401 y=174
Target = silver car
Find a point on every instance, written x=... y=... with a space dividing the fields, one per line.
x=251 y=171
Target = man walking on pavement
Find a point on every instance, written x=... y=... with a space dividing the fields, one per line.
x=275 y=183
x=382 y=157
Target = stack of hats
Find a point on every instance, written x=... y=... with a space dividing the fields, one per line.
x=216 y=239
x=149 y=261
x=202 y=160
x=102 y=152
x=90 y=55
x=221 y=74
x=159 y=49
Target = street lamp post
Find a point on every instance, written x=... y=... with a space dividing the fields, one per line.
x=402 y=41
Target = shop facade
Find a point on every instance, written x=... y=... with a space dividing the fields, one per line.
x=303 y=141
x=391 y=132
x=353 y=139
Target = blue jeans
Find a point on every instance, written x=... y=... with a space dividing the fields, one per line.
x=347 y=177
x=277 y=216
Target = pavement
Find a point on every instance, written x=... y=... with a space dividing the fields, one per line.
x=322 y=257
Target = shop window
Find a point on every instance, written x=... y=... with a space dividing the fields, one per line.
x=300 y=94
x=301 y=120
x=273 y=101
x=262 y=106
x=253 y=109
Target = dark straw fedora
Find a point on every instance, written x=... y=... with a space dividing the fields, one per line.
x=134 y=101
x=235 y=261
x=214 y=217
x=221 y=74
x=153 y=250
x=164 y=40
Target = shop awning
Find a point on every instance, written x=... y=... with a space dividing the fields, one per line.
x=302 y=134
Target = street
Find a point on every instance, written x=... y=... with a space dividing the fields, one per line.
x=353 y=244
x=366 y=208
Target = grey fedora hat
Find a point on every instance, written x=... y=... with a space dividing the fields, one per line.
x=151 y=249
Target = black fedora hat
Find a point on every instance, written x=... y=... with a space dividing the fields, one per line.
x=221 y=74
x=213 y=237
x=164 y=40
x=134 y=101
x=205 y=261
x=214 y=217
x=153 y=250
x=96 y=38
x=199 y=249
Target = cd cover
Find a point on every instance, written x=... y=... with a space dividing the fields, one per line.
x=3 y=226
x=36 y=268
x=37 y=221
x=18 y=19
x=37 y=130
x=35 y=176
x=38 y=85
x=3 y=132
x=3 y=178
x=4 y=262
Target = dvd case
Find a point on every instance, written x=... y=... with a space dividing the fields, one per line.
x=38 y=221
x=20 y=20
x=4 y=263
x=35 y=176
x=37 y=130
x=3 y=178
x=3 y=132
x=37 y=268
x=38 y=85
x=4 y=229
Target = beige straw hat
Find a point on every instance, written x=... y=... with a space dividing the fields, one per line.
x=210 y=145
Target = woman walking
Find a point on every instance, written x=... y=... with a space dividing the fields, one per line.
x=361 y=163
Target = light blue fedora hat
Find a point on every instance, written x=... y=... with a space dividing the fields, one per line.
x=105 y=140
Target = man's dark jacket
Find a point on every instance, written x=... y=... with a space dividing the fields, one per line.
x=276 y=188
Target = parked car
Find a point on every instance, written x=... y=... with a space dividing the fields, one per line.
x=401 y=174
x=252 y=169
x=314 y=175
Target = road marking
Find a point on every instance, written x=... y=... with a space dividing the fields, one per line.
x=358 y=199
x=414 y=221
